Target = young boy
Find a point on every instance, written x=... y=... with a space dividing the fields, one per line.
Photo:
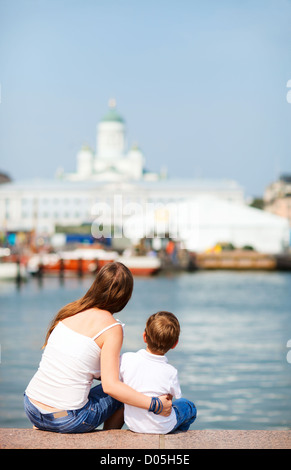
x=149 y=372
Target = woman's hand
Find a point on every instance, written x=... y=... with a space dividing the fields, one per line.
x=167 y=404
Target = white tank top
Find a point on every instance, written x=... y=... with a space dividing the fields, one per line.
x=67 y=368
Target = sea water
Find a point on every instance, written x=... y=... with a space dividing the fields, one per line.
x=232 y=356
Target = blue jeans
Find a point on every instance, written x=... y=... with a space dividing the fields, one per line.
x=98 y=409
x=186 y=413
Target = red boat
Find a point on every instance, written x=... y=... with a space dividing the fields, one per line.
x=88 y=261
x=85 y=261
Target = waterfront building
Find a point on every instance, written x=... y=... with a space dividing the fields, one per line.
x=111 y=186
x=41 y=205
x=4 y=178
x=277 y=197
x=112 y=160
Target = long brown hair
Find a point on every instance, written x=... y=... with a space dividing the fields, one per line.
x=110 y=291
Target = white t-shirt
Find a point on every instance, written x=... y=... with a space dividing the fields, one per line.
x=152 y=375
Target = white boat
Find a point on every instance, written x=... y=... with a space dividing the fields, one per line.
x=141 y=265
x=10 y=271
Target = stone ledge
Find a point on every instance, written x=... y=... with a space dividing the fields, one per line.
x=11 y=438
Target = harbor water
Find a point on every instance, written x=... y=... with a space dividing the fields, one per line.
x=232 y=356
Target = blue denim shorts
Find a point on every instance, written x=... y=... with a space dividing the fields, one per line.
x=98 y=409
x=186 y=413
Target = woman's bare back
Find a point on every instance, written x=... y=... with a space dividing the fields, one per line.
x=90 y=322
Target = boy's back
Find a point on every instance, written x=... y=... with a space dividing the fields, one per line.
x=152 y=375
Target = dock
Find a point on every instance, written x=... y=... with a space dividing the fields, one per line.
x=13 y=438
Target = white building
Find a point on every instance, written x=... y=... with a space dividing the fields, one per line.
x=111 y=187
x=112 y=161
x=42 y=204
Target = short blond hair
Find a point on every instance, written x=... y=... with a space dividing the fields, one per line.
x=162 y=332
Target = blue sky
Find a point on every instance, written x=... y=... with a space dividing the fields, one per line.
x=201 y=84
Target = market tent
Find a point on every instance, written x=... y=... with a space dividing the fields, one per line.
x=204 y=221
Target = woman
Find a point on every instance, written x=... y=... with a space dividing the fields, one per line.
x=84 y=342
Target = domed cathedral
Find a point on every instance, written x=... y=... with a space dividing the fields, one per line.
x=112 y=161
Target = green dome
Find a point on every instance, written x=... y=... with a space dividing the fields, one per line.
x=112 y=115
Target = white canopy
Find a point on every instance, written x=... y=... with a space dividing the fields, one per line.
x=205 y=221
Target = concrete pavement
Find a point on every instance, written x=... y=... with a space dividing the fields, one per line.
x=11 y=438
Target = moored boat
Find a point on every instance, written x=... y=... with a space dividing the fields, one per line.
x=85 y=261
x=11 y=267
x=10 y=271
x=141 y=265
